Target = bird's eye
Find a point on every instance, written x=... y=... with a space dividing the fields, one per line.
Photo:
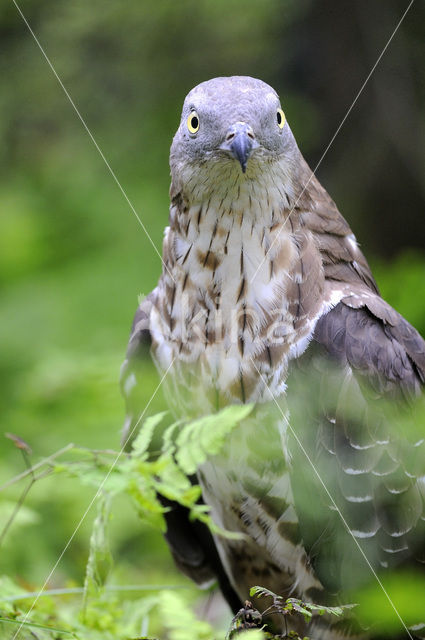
x=280 y=118
x=193 y=122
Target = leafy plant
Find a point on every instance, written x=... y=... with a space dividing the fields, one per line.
x=141 y=475
x=293 y=605
x=249 y=617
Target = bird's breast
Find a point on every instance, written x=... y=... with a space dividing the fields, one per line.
x=239 y=297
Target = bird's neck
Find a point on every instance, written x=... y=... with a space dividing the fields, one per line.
x=244 y=253
x=235 y=234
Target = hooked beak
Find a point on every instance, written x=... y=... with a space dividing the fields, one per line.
x=240 y=141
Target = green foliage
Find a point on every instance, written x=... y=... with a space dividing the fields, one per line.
x=405 y=602
x=108 y=618
x=288 y=608
x=294 y=606
x=140 y=446
x=399 y=280
x=206 y=436
x=251 y=634
x=139 y=475
x=24 y=517
x=99 y=562
x=179 y=621
x=162 y=456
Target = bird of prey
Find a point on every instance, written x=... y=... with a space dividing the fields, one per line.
x=265 y=297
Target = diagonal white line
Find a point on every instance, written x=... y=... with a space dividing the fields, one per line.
x=92 y=502
x=360 y=91
x=83 y=122
x=332 y=500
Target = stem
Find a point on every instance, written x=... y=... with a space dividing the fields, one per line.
x=22 y=498
x=15 y=511
x=30 y=471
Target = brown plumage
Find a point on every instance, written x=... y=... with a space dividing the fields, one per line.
x=265 y=297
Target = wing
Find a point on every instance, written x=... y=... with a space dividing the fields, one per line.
x=191 y=543
x=132 y=378
x=361 y=373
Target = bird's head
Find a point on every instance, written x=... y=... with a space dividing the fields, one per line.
x=232 y=131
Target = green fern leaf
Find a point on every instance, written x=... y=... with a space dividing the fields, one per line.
x=206 y=436
x=145 y=435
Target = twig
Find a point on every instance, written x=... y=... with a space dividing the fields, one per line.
x=15 y=511
x=25 y=450
x=29 y=471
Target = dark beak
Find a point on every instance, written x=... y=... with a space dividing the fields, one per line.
x=240 y=141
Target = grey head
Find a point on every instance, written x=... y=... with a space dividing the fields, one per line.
x=230 y=127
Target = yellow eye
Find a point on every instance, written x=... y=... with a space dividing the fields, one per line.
x=280 y=118
x=193 y=122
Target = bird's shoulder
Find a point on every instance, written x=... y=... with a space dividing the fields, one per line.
x=380 y=346
x=316 y=212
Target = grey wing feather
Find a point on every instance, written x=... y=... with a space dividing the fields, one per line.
x=364 y=362
x=131 y=378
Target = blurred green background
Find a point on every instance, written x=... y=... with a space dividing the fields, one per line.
x=73 y=257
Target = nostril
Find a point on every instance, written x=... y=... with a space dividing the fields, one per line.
x=230 y=136
x=250 y=135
